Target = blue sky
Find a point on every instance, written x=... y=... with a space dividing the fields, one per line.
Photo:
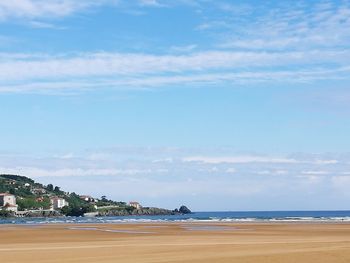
x=222 y=105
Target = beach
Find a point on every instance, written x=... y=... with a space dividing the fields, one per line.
x=176 y=242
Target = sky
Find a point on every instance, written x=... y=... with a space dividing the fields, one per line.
x=219 y=105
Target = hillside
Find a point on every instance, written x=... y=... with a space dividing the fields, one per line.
x=39 y=200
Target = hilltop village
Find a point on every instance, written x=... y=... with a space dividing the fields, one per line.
x=21 y=196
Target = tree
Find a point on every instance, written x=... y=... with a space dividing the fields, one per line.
x=6 y=213
x=50 y=187
x=66 y=210
x=57 y=189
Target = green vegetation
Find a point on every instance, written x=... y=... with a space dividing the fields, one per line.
x=18 y=185
x=33 y=203
x=77 y=206
x=35 y=197
x=5 y=213
x=29 y=194
x=24 y=192
x=18 y=178
x=106 y=202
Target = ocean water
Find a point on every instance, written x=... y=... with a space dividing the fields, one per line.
x=254 y=216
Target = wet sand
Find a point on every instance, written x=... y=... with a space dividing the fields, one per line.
x=176 y=242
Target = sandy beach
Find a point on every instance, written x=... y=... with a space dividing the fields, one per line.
x=176 y=242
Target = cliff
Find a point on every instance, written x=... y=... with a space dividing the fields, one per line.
x=141 y=211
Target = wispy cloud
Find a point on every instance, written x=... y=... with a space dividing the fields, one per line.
x=37 y=72
x=292 y=25
x=35 y=172
x=181 y=49
x=239 y=159
x=150 y=3
x=213 y=25
x=37 y=24
x=162 y=176
x=315 y=172
x=41 y=8
x=288 y=43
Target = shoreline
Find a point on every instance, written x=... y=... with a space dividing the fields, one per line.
x=233 y=225
x=149 y=219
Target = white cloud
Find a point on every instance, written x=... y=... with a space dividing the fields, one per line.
x=238 y=159
x=155 y=174
x=61 y=87
x=37 y=24
x=38 y=72
x=105 y=64
x=187 y=48
x=264 y=172
x=326 y=161
x=42 y=8
x=36 y=172
x=67 y=156
x=285 y=44
x=246 y=159
x=212 y=25
x=231 y=170
x=165 y=160
x=272 y=172
x=315 y=172
x=292 y=26
x=149 y=3
x=48 y=9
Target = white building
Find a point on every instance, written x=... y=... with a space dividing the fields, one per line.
x=8 y=202
x=58 y=203
x=135 y=204
x=87 y=198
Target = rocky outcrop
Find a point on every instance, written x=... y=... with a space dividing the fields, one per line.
x=129 y=212
x=43 y=213
x=151 y=211
x=5 y=213
x=184 y=210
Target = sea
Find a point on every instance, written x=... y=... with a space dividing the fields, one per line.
x=247 y=216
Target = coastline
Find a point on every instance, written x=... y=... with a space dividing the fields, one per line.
x=233 y=217
x=177 y=242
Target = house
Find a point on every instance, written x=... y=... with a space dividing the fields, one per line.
x=6 y=198
x=135 y=204
x=11 y=182
x=38 y=191
x=8 y=202
x=87 y=198
x=58 y=203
